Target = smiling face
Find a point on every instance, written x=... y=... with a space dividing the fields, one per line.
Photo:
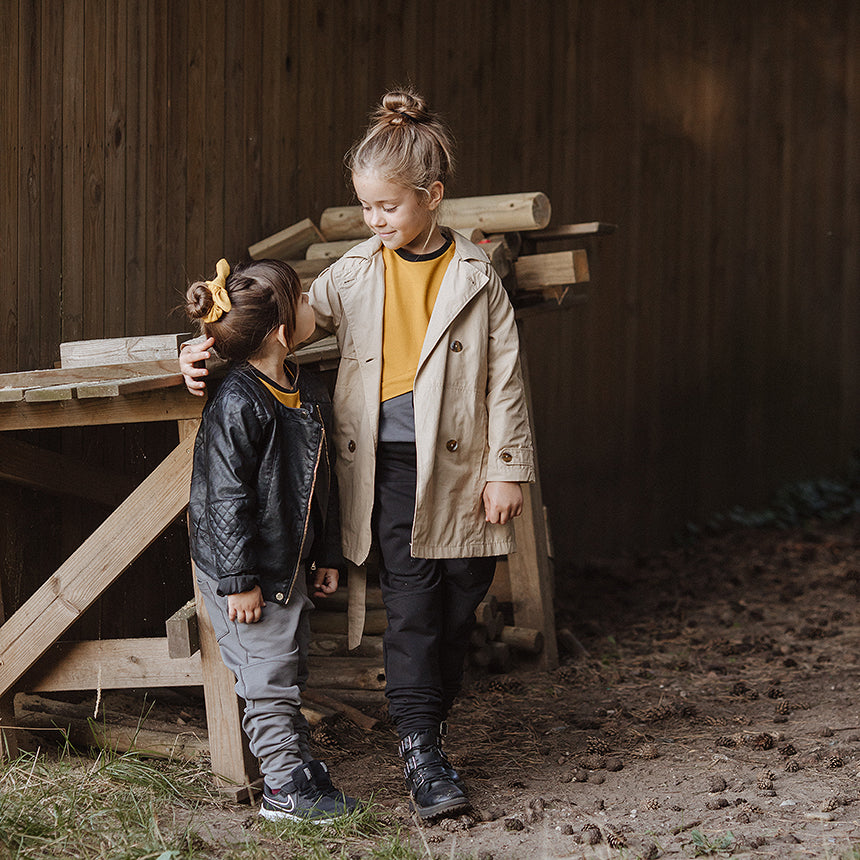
x=401 y=217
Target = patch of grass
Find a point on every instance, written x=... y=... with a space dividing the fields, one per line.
x=704 y=845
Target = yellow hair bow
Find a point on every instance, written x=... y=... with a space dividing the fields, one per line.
x=218 y=288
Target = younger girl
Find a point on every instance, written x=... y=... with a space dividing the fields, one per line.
x=263 y=509
x=431 y=427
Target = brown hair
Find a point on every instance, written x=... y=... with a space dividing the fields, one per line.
x=264 y=295
x=405 y=143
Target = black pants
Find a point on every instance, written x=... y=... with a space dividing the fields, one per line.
x=430 y=603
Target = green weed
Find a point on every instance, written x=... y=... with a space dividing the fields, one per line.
x=704 y=845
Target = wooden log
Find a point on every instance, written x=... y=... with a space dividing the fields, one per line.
x=500 y=657
x=183 y=635
x=336 y=645
x=121 y=350
x=362 y=673
x=522 y=639
x=489 y=617
x=339 y=601
x=499 y=255
x=497 y=213
x=572 y=231
x=359 y=698
x=290 y=242
x=513 y=239
x=354 y=715
x=375 y=622
x=560 y=268
x=481 y=656
x=330 y=251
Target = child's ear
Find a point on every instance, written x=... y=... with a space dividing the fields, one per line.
x=436 y=192
x=281 y=335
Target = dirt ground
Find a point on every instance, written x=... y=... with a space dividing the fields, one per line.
x=712 y=708
x=716 y=707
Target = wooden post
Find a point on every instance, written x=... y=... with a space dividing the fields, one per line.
x=8 y=734
x=529 y=567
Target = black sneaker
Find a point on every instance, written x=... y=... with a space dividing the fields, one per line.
x=301 y=798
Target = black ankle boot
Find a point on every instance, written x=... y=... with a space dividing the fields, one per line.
x=428 y=776
x=452 y=773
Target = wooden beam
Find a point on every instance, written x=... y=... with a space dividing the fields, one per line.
x=59 y=474
x=121 y=350
x=572 y=231
x=72 y=376
x=498 y=213
x=167 y=404
x=529 y=567
x=121 y=538
x=183 y=633
x=110 y=664
x=290 y=242
x=560 y=268
x=331 y=250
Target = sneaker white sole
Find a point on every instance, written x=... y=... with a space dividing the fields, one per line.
x=277 y=815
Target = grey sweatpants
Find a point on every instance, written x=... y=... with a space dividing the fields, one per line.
x=270 y=662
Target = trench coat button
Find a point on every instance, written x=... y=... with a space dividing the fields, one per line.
x=452 y=445
x=506 y=456
x=456 y=346
x=279 y=595
x=350 y=446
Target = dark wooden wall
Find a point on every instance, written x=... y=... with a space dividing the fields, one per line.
x=717 y=357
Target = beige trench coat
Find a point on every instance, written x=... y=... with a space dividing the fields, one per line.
x=471 y=423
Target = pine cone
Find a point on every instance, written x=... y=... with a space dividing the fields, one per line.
x=505 y=685
x=831 y=803
x=652 y=803
x=792 y=766
x=726 y=741
x=597 y=746
x=774 y=693
x=762 y=741
x=783 y=707
x=615 y=840
x=787 y=750
x=590 y=835
x=836 y=761
x=764 y=784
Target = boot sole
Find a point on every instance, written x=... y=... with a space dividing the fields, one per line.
x=439 y=808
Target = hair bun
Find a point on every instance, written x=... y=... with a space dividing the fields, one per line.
x=198 y=301
x=400 y=104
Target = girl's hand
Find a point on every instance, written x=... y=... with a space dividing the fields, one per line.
x=188 y=355
x=246 y=607
x=503 y=500
x=325 y=581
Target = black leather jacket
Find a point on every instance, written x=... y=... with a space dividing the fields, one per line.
x=263 y=483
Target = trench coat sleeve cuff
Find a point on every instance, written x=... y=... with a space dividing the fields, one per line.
x=512 y=463
x=236 y=584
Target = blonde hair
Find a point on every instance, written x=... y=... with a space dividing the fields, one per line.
x=405 y=143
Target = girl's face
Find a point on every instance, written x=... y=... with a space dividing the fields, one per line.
x=305 y=321
x=401 y=217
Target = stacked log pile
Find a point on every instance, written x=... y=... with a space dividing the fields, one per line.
x=508 y=228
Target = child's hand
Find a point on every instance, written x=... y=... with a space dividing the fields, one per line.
x=188 y=355
x=325 y=581
x=503 y=500
x=246 y=607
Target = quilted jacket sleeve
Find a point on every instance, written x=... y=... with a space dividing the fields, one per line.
x=233 y=440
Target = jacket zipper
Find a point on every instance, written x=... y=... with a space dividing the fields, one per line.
x=310 y=506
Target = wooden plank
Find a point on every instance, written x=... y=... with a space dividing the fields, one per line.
x=572 y=231
x=122 y=387
x=56 y=605
x=168 y=404
x=350 y=673
x=529 y=567
x=290 y=242
x=110 y=664
x=330 y=250
x=121 y=350
x=183 y=633
x=560 y=268
x=52 y=472
x=9 y=187
x=31 y=379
